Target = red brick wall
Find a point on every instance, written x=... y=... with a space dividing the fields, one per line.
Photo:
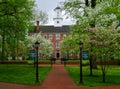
x=54 y=41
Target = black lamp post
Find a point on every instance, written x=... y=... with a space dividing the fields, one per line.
x=37 y=73
x=64 y=59
x=81 y=76
x=51 y=58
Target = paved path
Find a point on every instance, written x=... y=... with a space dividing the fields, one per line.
x=58 y=78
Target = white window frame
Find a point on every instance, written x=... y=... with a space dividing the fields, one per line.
x=57 y=45
x=57 y=36
x=64 y=35
x=50 y=36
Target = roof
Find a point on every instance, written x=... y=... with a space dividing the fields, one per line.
x=52 y=29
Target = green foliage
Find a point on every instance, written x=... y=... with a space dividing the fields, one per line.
x=45 y=44
x=22 y=74
x=96 y=26
x=40 y=16
x=15 y=21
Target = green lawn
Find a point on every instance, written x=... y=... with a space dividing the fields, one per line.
x=22 y=74
x=72 y=60
x=112 y=78
x=40 y=60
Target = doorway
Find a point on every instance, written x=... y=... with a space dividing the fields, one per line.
x=57 y=54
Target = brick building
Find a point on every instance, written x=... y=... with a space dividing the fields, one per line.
x=55 y=33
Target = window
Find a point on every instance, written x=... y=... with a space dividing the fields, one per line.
x=64 y=35
x=57 y=45
x=57 y=36
x=50 y=36
x=58 y=14
x=51 y=55
x=57 y=21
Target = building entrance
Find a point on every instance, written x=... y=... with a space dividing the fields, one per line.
x=57 y=54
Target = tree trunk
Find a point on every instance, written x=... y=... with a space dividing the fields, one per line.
x=91 y=74
x=93 y=3
x=3 y=48
x=86 y=3
x=17 y=49
x=76 y=56
x=103 y=76
x=13 y=57
x=67 y=55
x=94 y=65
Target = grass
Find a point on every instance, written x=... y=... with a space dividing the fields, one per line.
x=72 y=60
x=27 y=61
x=22 y=74
x=40 y=60
x=84 y=62
x=76 y=60
x=112 y=78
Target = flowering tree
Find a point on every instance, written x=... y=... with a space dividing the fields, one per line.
x=40 y=16
x=100 y=16
x=105 y=47
x=45 y=45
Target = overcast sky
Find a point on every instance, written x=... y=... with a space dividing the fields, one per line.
x=48 y=6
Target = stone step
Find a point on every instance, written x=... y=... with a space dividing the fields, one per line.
x=58 y=62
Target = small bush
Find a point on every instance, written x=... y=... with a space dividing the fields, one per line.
x=30 y=62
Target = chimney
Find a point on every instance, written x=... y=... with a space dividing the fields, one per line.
x=37 y=26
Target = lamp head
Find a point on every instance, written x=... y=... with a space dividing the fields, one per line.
x=81 y=44
x=37 y=44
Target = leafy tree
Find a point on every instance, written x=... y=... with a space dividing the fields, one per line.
x=68 y=46
x=14 y=20
x=41 y=16
x=45 y=45
x=105 y=47
x=91 y=15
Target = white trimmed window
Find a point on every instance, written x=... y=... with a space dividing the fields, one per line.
x=64 y=35
x=57 y=36
x=50 y=36
x=57 y=45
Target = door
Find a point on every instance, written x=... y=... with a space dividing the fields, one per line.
x=57 y=54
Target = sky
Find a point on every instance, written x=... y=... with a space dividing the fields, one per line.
x=48 y=6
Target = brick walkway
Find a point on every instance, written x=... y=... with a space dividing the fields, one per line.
x=57 y=79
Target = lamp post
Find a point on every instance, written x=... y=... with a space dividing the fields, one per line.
x=37 y=73
x=81 y=76
x=64 y=59
x=51 y=58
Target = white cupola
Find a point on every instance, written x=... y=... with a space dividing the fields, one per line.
x=58 y=17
